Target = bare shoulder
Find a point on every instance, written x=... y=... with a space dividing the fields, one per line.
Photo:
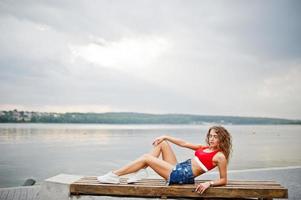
x=219 y=157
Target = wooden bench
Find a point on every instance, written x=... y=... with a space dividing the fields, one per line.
x=235 y=189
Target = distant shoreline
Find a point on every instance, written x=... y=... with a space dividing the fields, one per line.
x=125 y=118
x=158 y=124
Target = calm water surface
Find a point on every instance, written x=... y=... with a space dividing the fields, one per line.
x=40 y=151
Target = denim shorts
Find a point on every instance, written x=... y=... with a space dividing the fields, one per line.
x=181 y=174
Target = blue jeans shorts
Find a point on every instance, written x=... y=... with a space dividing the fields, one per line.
x=181 y=174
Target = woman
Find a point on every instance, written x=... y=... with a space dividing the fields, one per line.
x=206 y=158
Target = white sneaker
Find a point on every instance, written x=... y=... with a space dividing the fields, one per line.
x=141 y=174
x=109 y=178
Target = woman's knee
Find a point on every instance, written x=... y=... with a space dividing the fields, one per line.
x=164 y=144
x=148 y=157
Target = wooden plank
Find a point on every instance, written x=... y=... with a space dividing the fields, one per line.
x=187 y=186
x=162 y=181
x=156 y=184
x=158 y=188
x=177 y=191
x=159 y=183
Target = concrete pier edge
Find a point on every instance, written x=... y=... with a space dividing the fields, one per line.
x=57 y=187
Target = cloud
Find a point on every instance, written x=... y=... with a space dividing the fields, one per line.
x=200 y=57
x=280 y=92
x=138 y=52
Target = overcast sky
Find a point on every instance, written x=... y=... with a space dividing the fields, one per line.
x=240 y=58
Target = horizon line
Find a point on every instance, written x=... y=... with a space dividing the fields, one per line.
x=149 y=113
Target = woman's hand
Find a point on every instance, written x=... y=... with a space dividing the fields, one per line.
x=202 y=187
x=158 y=140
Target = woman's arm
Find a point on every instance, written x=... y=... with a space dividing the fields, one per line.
x=177 y=141
x=221 y=162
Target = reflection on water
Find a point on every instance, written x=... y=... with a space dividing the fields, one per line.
x=44 y=150
x=20 y=136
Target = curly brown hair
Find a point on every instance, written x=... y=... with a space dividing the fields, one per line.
x=225 y=140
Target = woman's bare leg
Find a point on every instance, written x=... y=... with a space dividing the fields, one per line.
x=165 y=149
x=162 y=167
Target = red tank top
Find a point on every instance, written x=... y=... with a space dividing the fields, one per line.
x=205 y=158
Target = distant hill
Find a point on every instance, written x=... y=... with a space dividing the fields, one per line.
x=133 y=118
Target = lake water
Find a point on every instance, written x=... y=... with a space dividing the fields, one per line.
x=40 y=151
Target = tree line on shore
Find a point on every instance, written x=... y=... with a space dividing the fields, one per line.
x=16 y=116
